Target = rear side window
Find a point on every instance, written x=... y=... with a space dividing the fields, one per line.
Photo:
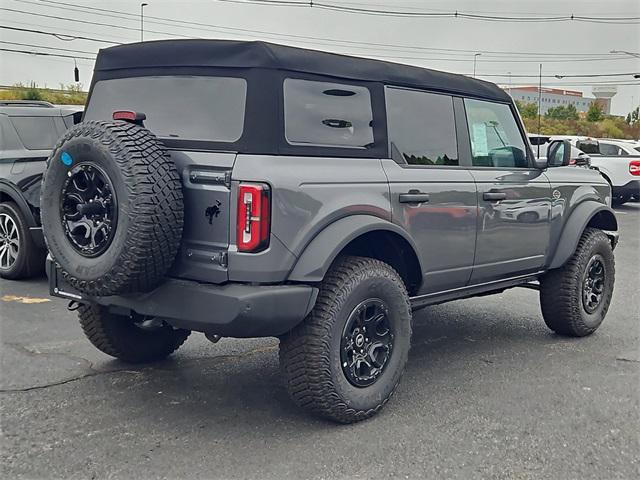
x=496 y=140
x=327 y=114
x=422 y=128
x=180 y=107
x=611 y=150
x=36 y=133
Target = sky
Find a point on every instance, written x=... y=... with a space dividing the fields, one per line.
x=510 y=51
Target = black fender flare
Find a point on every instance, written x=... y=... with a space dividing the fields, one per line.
x=575 y=225
x=319 y=254
x=15 y=195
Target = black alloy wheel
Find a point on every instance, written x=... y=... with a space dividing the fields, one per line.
x=593 y=284
x=89 y=209
x=367 y=343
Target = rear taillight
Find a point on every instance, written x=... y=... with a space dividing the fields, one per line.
x=634 y=167
x=254 y=217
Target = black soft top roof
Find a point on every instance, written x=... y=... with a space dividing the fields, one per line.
x=241 y=54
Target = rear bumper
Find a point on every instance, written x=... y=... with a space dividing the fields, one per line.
x=630 y=188
x=232 y=310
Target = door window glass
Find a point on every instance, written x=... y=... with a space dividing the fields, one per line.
x=327 y=114
x=496 y=140
x=422 y=128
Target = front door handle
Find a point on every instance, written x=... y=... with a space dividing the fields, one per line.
x=414 y=196
x=494 y=196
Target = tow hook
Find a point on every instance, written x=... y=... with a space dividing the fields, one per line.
x=212 y=338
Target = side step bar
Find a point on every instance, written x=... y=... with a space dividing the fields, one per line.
x=421 y=301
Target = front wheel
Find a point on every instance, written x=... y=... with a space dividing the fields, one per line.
x=575 y=298
x=345 y=360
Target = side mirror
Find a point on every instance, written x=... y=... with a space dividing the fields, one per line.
x=559 y=153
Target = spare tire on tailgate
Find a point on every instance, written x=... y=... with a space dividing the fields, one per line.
x=111 y=207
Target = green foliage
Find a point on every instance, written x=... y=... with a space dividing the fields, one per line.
x=609 y=127
x=31 y=93
x=66 y=95
x=634 y=116
x=527 y=110
x=594 y=114
x=563 y=113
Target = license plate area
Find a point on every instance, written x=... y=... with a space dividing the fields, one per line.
x=57 y=286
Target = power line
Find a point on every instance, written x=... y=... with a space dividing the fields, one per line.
x=60 y=36
x=303 y=38
x=44 y=54
x=46 y=47
x=576 y=75
x=437 y=15
x=385 y=55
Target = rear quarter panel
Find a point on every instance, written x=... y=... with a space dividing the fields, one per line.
x=308 y=194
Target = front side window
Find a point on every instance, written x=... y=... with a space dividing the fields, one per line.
x=327 y=114
x=36 y=133
x=180 y=107
x=496 y=140
x=422 y=128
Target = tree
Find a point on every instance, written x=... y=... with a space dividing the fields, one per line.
x=594 y=114
x=527 y=110
x=634 y=116
x=563 y=113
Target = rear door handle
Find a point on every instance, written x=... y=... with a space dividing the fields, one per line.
x=494 y=196
x=414 y=196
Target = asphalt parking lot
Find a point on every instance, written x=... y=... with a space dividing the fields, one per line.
x=489 y=392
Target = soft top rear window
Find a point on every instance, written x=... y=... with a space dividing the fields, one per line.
x=180 y=107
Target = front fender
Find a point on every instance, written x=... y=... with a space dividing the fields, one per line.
x=317 y=257
x=575 y=225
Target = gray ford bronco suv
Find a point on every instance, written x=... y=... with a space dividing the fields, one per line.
x=247 y=189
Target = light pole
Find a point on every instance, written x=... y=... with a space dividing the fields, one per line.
x=142 y=5
x=475 y=59
x=632 y=54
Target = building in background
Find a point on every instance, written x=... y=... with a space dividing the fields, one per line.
x=554 y=97
x=603 y=95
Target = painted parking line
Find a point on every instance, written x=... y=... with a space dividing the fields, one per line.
x=27 y=300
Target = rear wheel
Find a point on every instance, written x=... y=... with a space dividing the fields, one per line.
x=19 y=255
x=575 y=298
x=133 y=339
x=345 y=360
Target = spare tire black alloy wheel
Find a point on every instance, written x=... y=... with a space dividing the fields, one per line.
x=367 y=343
x=111 y=208
x=89 y=209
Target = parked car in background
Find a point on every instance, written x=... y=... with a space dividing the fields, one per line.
x=540 y=145
x=28 y=132
x=617 y=160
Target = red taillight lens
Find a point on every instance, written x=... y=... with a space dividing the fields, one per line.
x=634 y=167
x=129 y=116
x=254 y=217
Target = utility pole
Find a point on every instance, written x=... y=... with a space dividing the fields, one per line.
x=475 y=58
x=142 y=5
x=539 y=106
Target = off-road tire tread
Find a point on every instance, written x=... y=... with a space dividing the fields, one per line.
x=304 y=352
x=560 y=289
x=156 y=208
x=93 y=322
